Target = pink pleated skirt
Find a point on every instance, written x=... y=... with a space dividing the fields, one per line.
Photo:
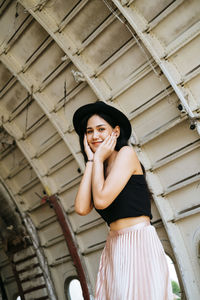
x=133 y=266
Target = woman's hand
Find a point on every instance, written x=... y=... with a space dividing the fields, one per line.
x=106 y=148
x=88 y=151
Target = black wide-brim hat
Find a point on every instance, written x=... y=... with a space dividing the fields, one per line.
x=101 y=107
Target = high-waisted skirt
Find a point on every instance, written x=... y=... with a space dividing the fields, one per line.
x=133 y=266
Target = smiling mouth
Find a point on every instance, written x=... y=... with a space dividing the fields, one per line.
x=96 y=143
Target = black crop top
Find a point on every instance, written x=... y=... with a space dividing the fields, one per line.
x=132 y=201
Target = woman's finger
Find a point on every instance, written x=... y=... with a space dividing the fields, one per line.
x=85 y=139
x=87 y=148
x=112 y=139
x=113 y=143
x=110 y=144
x=106 y=141
x=85 y=142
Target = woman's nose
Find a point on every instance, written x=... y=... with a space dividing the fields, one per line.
x=95 y=134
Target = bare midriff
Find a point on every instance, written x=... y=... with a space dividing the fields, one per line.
x=127 y=222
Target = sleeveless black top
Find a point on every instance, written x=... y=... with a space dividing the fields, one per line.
x=133 y=201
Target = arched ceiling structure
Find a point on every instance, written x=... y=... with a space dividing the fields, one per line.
x=55 y=55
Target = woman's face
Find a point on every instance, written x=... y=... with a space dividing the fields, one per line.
x=97 y=130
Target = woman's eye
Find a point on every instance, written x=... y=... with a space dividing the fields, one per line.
x=101 y=129
x=89 y=132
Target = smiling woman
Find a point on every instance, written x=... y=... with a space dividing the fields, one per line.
x=97 y=131
x=115 y=185
x=110 y=115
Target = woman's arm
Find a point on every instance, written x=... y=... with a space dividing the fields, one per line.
x=105 y=191
x=83 y=201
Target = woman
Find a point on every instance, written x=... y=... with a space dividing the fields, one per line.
x=133 y=264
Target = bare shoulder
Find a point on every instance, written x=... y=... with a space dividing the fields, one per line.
x=126 y=163
x=127 y=155
x=127 y=152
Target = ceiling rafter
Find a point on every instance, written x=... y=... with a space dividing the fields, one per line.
x=140 y=26
x=67 y=46
x=20 y=77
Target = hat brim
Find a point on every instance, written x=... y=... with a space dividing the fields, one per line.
x=101 y=107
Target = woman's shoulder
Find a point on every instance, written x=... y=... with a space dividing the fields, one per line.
x=127 y=157
x=127 y=150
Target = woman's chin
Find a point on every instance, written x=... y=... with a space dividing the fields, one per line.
x=94 y=148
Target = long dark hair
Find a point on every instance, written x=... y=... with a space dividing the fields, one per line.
x=121 y=140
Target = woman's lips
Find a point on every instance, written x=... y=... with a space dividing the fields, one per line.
x=96 y=143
